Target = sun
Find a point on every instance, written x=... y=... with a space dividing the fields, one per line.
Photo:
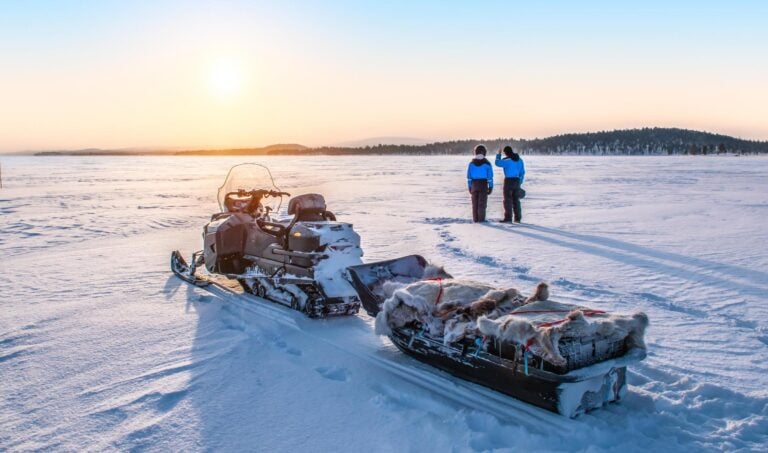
x=225 y=79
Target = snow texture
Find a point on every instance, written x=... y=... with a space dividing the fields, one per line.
x=342 y=250
x=102 y=348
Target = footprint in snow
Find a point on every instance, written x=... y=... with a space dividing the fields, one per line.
x=237 y=325
x=333 y=373
x=279 y=343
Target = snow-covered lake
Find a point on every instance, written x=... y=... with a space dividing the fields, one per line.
x=102 y=348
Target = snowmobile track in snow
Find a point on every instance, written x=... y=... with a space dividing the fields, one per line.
x=466 y=394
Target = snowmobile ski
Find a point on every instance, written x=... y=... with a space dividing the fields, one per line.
x=182 y=270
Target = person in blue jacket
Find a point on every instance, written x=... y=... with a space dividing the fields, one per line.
x=480 y=181
x=514 y=174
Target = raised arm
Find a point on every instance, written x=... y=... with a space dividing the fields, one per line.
x=498 y=161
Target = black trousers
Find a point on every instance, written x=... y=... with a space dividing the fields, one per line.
x=479 y=192
x=512 y=200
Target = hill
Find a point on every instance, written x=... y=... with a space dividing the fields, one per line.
x=374 y=141
x=645 y=141
x=290 y=148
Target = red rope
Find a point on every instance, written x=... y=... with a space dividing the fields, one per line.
x=559 y=321
x=586 y=312
x=529 y=343
x=550 y=324
x=440 y=291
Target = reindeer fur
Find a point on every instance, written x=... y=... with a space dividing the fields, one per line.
x=460 y=303
x=517 y=328
x=471 y=308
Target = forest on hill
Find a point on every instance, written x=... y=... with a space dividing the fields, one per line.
x=646 y=141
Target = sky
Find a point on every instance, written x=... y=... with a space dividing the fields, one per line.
x=194 y=74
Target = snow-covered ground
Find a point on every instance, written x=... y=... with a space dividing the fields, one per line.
x=102 y=348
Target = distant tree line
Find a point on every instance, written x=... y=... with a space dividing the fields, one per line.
x=646 y=141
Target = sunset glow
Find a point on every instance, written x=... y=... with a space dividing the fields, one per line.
x=236 y=74
x=225 y=79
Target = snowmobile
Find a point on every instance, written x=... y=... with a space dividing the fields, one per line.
x=297 y=260
x=593 y=374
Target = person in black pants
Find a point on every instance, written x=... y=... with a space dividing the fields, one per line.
x=514 y=174
x=480 y=182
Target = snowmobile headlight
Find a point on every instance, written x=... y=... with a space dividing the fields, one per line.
x=297 y=234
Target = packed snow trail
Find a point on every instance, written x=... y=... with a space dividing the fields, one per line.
x=476 y=398
x=102 y=348
x=389 y=359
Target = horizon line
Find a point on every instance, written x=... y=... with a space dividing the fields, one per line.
x=344 y=143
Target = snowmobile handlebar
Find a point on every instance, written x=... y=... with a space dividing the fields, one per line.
x=249 y=201
x=257 y=193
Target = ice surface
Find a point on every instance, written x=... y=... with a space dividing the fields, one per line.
x=102 y=348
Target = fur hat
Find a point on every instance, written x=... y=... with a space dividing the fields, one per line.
x=480 y=150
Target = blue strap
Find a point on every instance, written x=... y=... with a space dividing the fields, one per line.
x=525 y=361
x=479 y=344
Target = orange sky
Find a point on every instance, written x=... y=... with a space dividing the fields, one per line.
x=201 y=75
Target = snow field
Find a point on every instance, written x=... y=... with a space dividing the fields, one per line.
x=102 y=349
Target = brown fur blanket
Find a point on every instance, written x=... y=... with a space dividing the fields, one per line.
x=448 y=308
x=453 y=309
x=542 y=324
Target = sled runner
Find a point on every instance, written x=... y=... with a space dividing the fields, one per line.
x=586 y=372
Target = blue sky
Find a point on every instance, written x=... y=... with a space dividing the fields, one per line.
x=323 y=72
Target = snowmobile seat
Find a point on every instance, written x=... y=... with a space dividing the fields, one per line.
x=309 y=207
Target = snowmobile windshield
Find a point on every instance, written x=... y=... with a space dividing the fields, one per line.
x=249 y=177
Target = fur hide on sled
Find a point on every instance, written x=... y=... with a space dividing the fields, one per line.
x=542 y=324
x=454 y=309
x=447 y=308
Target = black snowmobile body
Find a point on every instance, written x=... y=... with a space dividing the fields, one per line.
x=595 y=374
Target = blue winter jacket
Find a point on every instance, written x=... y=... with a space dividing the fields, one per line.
x=511 y=168
x=480 y=169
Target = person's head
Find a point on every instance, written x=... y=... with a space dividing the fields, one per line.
x=480 y=152
x=508 y=151
x=515 y=157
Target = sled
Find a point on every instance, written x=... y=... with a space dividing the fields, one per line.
x=595 y=373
